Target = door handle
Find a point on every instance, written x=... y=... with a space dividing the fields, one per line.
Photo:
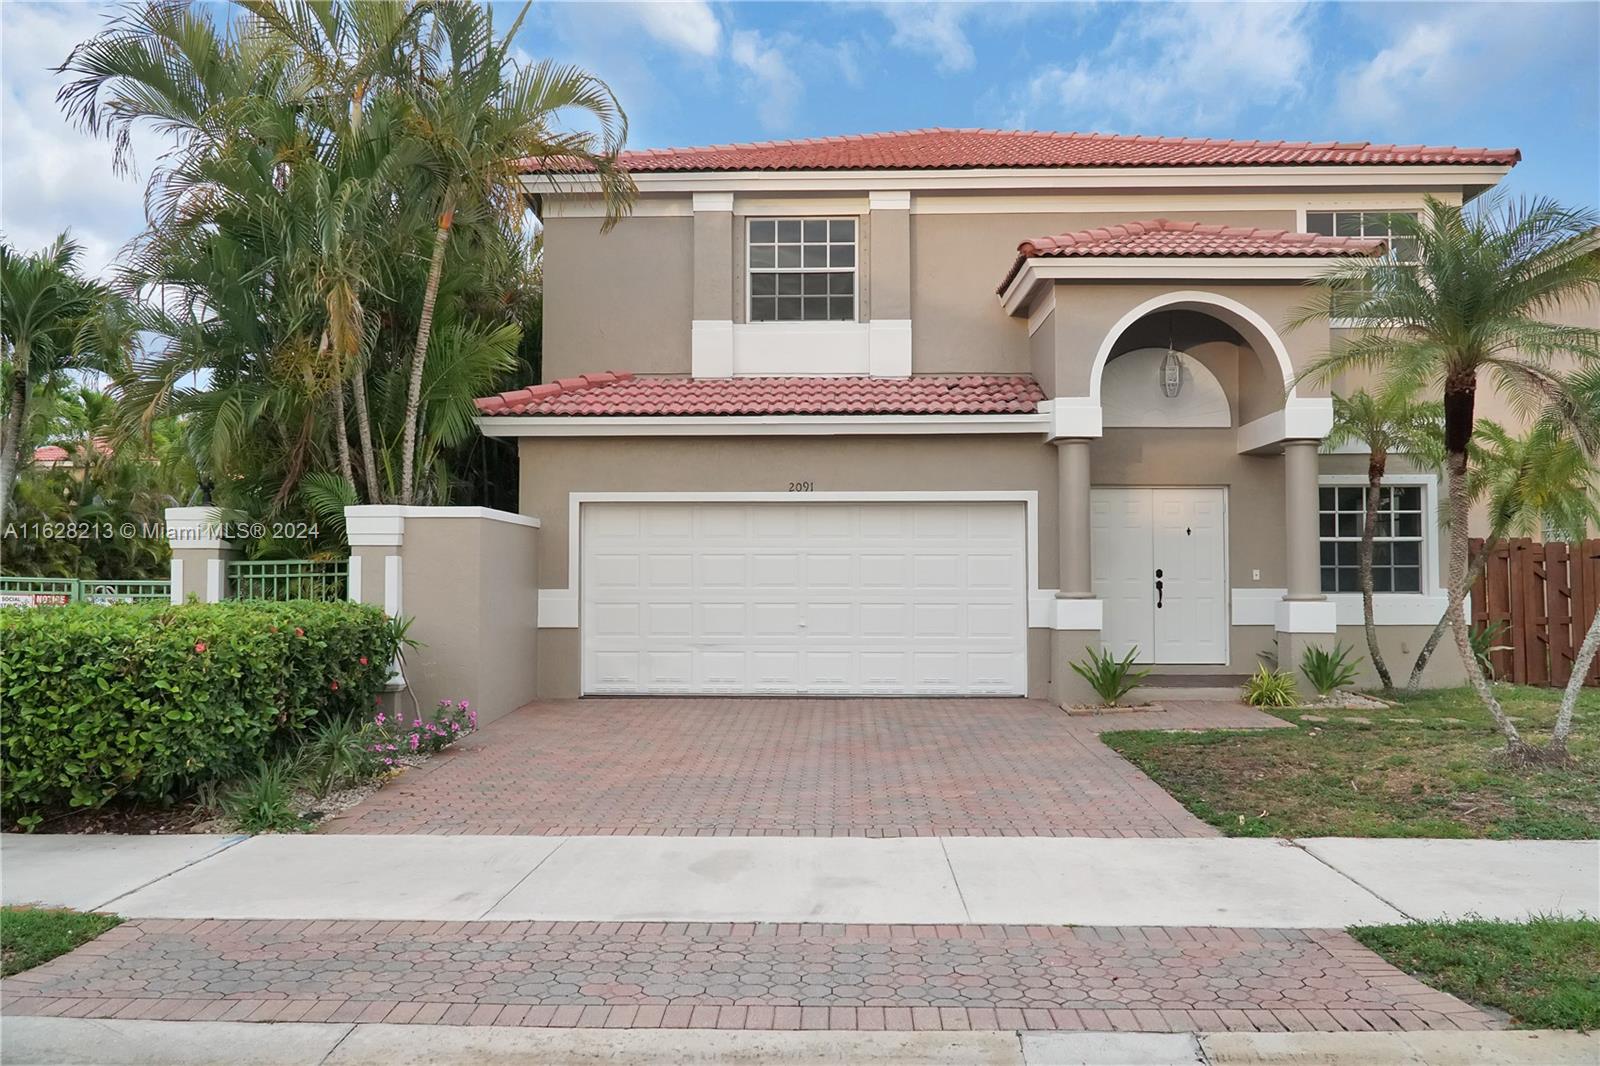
x=1159 y=587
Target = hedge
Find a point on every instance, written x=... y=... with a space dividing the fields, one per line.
x=147 y=703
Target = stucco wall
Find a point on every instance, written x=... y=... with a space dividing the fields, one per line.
x=622 y=300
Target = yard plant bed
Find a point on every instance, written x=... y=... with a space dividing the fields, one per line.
x=1426 y=767
x=30 y=936
x=1544 y=973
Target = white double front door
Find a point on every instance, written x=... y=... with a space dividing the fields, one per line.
x=1159 y=558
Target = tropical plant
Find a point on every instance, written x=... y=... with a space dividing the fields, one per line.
x=1329 y=670
x=1270 y=688
x=1468 y=306
x=482 y=123
x=1542 y=481
x=1388 y=422
x=1110 y=677
x=1580 y=409
x=262 y=801
x=338 y=753
x=53 y=320
x=294 y=226
x=1482 y=639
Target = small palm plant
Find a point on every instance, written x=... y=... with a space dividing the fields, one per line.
x=1270 y=688
x=1329 y=670
x=1110 y=677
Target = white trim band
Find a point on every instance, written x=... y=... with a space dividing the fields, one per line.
x=1306 y=616
x=383 y=525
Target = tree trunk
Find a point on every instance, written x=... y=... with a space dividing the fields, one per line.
x=358 y=388
x=341 y=436
x=1459 y=397
x=1375 y=467
x=1479 y=564
x=419 y=354
x=15 y=421
x=1569 y=698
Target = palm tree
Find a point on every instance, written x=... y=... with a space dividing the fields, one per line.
x=1388 y=423
x=1468 y=307
x=1580 y=410
x=1532 y=484
x=483 y=121
x=52 y=320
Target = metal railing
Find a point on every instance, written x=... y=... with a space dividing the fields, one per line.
x=288 y=579
x=55 y=591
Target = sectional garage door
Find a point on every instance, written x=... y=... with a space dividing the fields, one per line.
x=813 y=597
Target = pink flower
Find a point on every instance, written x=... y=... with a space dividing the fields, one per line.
x=388 y=762
x=380 y=719
x=363 y=660
x=200 y=647
x=334 y=685
x=299 y=632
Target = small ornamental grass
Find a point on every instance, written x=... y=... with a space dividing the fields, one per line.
x=1329 y=670
x=1110 y=677
x=1270 y=688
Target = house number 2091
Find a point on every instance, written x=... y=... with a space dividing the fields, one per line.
x=802 y=486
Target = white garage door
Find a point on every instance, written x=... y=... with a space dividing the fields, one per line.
x=817 y=597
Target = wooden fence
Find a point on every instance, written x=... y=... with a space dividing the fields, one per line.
x=1547 y=595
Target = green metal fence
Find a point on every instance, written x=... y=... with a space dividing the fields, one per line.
x=53 y=591
x=289 y=579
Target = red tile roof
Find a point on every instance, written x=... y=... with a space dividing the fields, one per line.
x=1164 y=237
x=620 y=393
x=50 y=453
x=946 y=149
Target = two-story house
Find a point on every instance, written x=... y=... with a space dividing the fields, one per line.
x=932 y=412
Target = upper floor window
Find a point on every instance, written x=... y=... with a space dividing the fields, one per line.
x=802 y=269
x=1379 y=224
x=1397 y=542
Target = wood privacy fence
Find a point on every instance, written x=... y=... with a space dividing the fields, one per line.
x=1547 y=595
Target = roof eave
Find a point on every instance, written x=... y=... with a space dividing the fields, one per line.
x=1017 y=295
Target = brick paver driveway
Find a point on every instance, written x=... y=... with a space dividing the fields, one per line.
x=951 y=767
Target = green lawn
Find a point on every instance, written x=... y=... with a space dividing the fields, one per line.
x=30 y=936
x=1544 y=973
x=1434 y=776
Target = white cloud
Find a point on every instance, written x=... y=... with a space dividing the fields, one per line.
x=1447 y=60
x=53 y=176
x=933 y=29
x=1181 y=66
x=688 y=25
x=775 y=85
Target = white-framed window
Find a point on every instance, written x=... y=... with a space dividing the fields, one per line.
x=1400 y=550
x=1374 y=224
x=801 y=269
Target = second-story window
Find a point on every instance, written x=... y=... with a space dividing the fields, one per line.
x=1372 y=224
x=802 y=269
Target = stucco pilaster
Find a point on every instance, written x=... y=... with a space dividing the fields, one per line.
x=1072 y=471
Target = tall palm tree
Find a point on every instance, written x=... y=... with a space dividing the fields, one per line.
x=52 y=320
x=1469 y=307
x=483 y=120
x=1388 y=422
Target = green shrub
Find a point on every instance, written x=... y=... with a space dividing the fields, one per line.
x=1270 y=688
x=339 y=752
x=1328 y=670
x=149 y=702
x=1110 y=677
x=262 y=801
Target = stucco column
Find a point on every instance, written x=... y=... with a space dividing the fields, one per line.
x=886 y=296
x=1072 y=472
x=1300 y=519
x=711 y=330
x=199 y=554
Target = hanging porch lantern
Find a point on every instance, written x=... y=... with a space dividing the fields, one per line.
x=1171 y=367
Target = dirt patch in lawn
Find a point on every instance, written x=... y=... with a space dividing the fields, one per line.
x=1427 y=767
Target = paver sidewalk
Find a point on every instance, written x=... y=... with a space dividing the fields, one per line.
x=684 y=975
x=795 y=767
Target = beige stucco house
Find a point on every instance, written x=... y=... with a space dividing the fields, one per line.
x=932 y=412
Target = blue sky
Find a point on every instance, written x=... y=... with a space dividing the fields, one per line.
x=1492 y=74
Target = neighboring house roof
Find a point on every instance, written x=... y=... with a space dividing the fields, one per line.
x=944 y=149
x=620 y=393
x=50 y=453
x=1165 y=237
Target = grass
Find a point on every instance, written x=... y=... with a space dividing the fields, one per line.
x=1428 y=767
x=30 y=936
x=1544 y=973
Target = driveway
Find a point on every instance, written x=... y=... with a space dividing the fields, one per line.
x=793 y=767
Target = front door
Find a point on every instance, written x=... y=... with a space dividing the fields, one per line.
x=1160 y=569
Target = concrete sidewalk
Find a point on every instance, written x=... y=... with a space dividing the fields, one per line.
x=78 y=1042
x=1055 y=881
